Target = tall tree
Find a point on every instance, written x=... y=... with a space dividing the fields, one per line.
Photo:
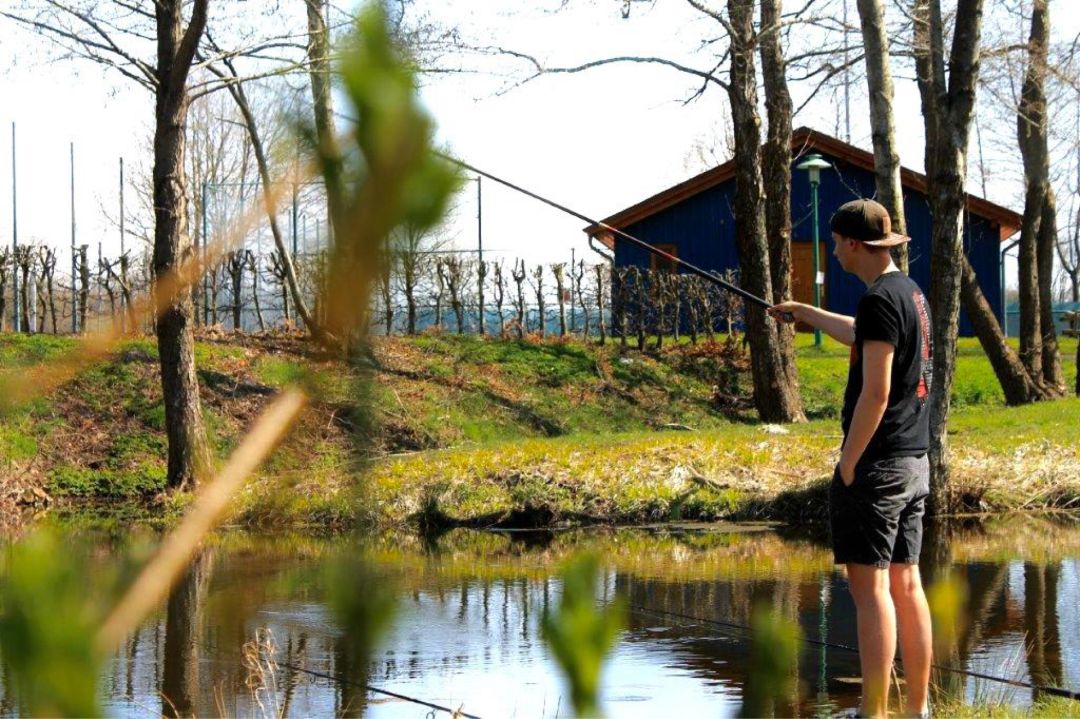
x=235 y=85
x=189 y=454
x=1038 y=232
x=318 y=53
x=776 y=168
x=776 y=400
x=947 y=105
x=154 y=44
x=882 y=125
x=1016 y=384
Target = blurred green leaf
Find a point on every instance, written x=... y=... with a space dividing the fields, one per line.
x=581 y=632
x=363 y=600
x=47 y=627
x=385 y=176
x=774 y=656
x=947 y=599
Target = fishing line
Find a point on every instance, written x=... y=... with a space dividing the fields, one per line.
x=1055 y=691
x=385 y=692
x=366 y=687
x=709 y=275
x=691 y=268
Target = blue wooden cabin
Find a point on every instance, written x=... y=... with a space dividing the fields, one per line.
x=693 y=221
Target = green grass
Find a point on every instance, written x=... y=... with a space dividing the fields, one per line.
x=511 y=426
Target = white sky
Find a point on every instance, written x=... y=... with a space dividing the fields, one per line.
x=597 y=141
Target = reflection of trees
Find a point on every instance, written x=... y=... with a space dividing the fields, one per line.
x=714 y=652
x=352 y=677
x=986 y=585
x=183 y=621
x=1041 y=624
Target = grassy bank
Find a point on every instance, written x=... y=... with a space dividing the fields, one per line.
x=477 y=431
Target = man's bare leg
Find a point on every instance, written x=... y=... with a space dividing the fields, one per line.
x=877 y=634
x=913 y=617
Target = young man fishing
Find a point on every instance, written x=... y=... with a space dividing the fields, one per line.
x=879 y=488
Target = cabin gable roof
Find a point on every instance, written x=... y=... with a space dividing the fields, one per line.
x=803 y=140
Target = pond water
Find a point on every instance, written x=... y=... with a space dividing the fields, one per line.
x=466 y=628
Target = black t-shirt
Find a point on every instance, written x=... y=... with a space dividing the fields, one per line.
x=894 y=310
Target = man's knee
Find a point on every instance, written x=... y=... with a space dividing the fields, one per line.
x=905 y=584
x=867 y=583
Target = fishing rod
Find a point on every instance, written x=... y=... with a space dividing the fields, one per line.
x=1054 y=691
x=691 y=268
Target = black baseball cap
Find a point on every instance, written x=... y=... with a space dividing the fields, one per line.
x=866 y=221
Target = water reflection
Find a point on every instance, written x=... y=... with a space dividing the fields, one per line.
x=466 y=633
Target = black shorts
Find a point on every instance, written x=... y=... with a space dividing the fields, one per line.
x=878 y=520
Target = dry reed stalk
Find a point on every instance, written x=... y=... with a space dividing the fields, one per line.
x=157 y=577
x=42 y=379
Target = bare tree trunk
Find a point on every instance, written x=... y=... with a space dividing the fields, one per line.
x=252 y=261
x=236 y=89
x=500 y=295
x=84 y=287
x=658 y=293
x=1031 y=137
x=882 y=126
x=518 y=275
x=6 y=262
x=579 y=285
x=538 y=288
x=24 y=260
x=559 y=271
x=386 y=290
x=947 y=110
x=600 y=291
x=319 y=72
x=620 y=297
x=641 y=304
x=481 y=276
x=1015 y=381
x=440 y=285
x=1053 y=375
x=189 y=455
x=776 y=400
x=234 y=265
x=776 y=169
x=455 y=283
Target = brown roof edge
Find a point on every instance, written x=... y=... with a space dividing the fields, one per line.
x=802 y=140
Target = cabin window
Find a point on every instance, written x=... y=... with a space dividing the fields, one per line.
x=656 y=262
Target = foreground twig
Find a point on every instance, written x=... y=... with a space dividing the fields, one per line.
x=153 y=583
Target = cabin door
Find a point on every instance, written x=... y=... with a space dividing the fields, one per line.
x=802 y=275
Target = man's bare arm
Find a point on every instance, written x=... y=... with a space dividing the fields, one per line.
x=870 y=407
x=840 y=327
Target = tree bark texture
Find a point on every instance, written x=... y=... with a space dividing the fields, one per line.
x=776 y=174
x=882 y=126
x=318 y=51
x=1016 y=383
x=188 y=452
x=316 y=331
x=180 y=686
x=776 y=400
x=1053 y=375
x=1031 y=138
x=947 y=110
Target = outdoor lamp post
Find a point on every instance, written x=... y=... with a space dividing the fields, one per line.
x=814 y=164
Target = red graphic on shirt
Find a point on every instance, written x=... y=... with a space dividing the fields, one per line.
x=926 y=375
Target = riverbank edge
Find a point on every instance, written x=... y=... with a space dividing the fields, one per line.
x=744 y=473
